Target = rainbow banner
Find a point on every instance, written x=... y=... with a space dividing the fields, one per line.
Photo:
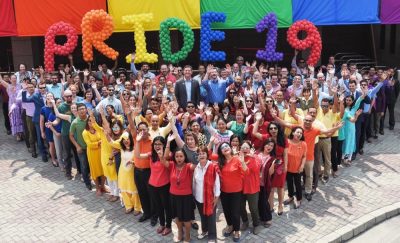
x=187 y=10
x=246 y=14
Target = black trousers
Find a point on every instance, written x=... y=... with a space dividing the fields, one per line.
x=6 y=118
x=358 y=124
x=142 y=183
x=293 y=181
x=252 y=200
x=231 y=206
x=117 y=158
x=26 y=131
x=390 y=108
x=368 y=130
x=336 y=153
x=162 y=205
x=67 y=155
x=264 y=208
x=363 y=130
x=208 y=223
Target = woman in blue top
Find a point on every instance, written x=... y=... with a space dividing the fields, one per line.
x=46 y=133
x=349 y=113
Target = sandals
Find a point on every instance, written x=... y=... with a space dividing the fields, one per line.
x=136 y=213
x=166 y=231
x=288 y=201
x=227 y=231
x=113 y=199
x=160 y=229
x=128 y=211
x=55 y=163
x=297 y=205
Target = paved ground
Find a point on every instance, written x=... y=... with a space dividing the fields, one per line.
x=38 y=204
x=387 y=232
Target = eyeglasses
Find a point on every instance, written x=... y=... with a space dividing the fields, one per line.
x=269 y=101
x=110 y=90
x=306 y=120
x=273 y=128
x=249 y=101
x=324 y=106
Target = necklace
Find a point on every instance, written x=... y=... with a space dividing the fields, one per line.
x=178 y=175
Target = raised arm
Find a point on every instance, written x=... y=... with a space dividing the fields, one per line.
x=2 y=82
x=178 y=138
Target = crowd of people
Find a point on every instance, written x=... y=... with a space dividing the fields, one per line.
x=165 y=144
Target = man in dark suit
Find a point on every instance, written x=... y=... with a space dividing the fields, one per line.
x=187 y=89
x=38 y=100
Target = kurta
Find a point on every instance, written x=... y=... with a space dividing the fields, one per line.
x=348 y=131
x=93 y=153
x=106 y=150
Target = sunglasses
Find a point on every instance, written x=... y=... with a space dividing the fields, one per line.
x=232 y=93
x=190 y=106
x=110 y=90
x=224 y=146
x=273 y=128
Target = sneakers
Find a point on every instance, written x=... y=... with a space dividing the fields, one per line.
x=202 y=235
x=325 y=179
x=308 y=196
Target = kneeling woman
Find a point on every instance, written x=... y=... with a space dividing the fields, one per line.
x=126 y=178
x=206 y=191
x=232 y=172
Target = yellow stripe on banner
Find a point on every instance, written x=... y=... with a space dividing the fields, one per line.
x=187 y=10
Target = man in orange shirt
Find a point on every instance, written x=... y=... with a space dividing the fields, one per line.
x=142 y=167
x=310 y=134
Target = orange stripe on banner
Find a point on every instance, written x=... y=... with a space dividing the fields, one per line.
x=34 y=17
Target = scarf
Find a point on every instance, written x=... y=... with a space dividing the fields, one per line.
x=267 y=177
x=208 y=189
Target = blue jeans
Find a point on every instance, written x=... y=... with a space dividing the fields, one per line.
x=42 y=149
x=84 y=166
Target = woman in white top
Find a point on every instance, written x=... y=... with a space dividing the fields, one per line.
x=206 y=191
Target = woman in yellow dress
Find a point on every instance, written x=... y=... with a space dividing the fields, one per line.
x=93 y=142
x=107 y=157
x=126 y=179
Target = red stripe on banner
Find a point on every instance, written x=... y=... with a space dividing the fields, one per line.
x=7 y=19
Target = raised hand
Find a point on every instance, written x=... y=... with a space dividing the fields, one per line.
x=248 y=118
x=171 y=137
x=139 y=136
x=201 y=105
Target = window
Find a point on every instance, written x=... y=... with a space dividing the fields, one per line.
x=382 y=38
x=393 y=38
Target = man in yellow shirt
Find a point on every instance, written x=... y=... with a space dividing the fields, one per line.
x=328 y=117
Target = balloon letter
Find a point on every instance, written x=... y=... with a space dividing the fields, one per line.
x=313 y=39
x=269 y=54
x=207 y=35
x=165 y=40
x=140 y=40
x=51 y=47
x=97 y=26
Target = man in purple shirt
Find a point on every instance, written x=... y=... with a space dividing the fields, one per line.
x=28 y=111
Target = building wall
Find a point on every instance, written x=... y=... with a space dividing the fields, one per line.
x=387 y=39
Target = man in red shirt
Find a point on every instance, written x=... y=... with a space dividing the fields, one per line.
x=165 y=72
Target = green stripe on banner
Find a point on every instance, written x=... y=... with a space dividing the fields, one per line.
x=244 y=14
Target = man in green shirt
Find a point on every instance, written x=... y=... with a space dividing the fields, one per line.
x=65 y=108
x=75 y=135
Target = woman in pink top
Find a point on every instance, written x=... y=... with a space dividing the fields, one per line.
x=158 y=182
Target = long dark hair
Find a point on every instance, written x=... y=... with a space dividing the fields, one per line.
x=184 y=153
x=221 y=156
x=154 y=155
x=280 y=137
x=273 y=151
x=130 y=144
x=352 y=98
